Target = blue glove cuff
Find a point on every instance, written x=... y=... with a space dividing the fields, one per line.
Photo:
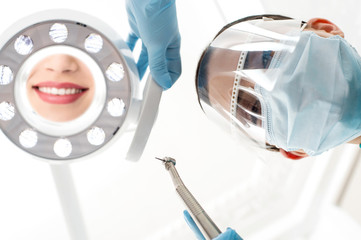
x=192 y=225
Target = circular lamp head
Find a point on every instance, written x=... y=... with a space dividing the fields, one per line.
x=67 y=84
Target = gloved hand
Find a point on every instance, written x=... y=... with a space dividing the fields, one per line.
x=229 y=234
x=155 y=23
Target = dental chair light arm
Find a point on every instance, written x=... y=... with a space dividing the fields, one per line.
x=148 y=114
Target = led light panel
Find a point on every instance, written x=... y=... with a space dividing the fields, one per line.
x=22 y=90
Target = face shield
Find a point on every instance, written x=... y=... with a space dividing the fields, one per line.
x=270 y=83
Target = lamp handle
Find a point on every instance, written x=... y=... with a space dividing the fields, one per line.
x=148 y=114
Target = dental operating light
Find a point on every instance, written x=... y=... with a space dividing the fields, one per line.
x=30 y=113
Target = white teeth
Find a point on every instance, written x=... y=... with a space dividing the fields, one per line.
x=60 y=91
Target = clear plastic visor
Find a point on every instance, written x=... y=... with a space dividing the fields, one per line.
x=241 y=58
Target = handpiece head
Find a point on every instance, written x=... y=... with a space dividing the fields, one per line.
x=167 y=162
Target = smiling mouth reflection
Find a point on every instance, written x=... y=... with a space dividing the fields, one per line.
x=55 y=95
x=60 y=87
x=59 y=91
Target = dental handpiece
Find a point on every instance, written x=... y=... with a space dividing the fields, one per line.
x=208 y=228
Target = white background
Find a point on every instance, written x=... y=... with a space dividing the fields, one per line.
x=126 y=200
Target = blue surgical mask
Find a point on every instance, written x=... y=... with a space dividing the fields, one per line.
x=315 y=104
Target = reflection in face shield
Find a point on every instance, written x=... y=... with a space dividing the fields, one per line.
x=246 y=103
x=234 y=63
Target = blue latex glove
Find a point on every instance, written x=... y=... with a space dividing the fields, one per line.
x=155 y=23
x=230 y=234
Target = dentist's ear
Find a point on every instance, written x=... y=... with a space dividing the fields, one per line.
x=324 y=25
x=294 y=155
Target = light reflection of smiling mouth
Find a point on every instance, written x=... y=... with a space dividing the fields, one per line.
x=59 y=93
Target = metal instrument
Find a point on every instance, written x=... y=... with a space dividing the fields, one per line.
x=201 y=218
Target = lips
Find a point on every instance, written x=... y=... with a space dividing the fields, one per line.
x=59 y=93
